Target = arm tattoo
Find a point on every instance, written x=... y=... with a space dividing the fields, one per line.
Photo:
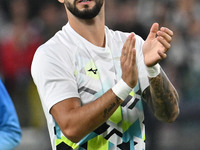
x=162 y=97
x=110 y=108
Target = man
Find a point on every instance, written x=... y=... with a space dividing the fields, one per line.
x=91 y=79
x=10 y=131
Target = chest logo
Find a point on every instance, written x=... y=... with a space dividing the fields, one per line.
x=91 y=70
x=94 y=71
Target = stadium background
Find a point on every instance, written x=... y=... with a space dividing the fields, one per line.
x=25 y=24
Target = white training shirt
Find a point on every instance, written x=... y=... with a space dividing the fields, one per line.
x=70 y=66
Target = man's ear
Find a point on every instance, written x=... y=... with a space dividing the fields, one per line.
x=61 y=1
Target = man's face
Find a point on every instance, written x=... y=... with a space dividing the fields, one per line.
x=84 y=9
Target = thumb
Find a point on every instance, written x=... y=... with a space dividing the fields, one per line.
x=153 y=31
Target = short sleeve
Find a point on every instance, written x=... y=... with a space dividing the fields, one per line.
x=53 y=73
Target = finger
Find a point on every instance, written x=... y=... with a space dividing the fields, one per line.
x=130 y=53
x=133 y=56
x=153 y=31
x=164 y=42
x=130 y=57
x=168 y=31
x=132 y=42
x=125 y=48
x=166 y=36
x=162 y=54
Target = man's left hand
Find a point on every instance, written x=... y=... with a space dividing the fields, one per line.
x=157 y=44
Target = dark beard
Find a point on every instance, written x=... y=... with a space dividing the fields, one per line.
x=87 y=13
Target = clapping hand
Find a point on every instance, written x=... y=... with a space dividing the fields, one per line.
x=156 y=45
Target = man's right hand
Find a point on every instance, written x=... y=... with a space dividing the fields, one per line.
x=128 y=62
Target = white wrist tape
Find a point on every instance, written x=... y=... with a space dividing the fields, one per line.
x=153 y=71
x=121 y=90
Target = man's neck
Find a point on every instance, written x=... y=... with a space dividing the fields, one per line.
x=92 y=30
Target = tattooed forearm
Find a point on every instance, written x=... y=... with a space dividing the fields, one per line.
x=110 y=108
x=163 y=98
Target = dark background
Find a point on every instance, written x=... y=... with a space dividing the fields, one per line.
x=26 y=24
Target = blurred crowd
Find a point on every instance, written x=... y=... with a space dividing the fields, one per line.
x=24 y=27
x=26 y=24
